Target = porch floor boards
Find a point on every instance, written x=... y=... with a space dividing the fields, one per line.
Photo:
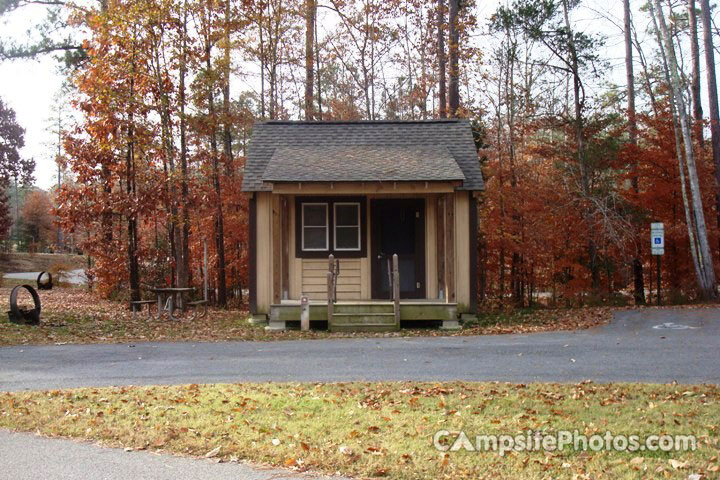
x=414 y=301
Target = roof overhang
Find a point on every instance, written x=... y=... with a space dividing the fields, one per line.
x=363 y=188
x=362 y=163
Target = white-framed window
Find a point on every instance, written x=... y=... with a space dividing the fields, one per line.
x=347 y=226
x=315 y=227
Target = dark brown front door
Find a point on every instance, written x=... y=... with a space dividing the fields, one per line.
x=398 y=226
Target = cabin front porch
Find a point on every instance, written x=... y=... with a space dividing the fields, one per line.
x=363 y=227
x=366 y=315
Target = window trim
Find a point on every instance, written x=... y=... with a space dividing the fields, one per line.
x=330 y=202
x=326 y=226
x=358 y=226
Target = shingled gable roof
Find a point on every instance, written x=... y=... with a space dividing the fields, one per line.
x=437 y=150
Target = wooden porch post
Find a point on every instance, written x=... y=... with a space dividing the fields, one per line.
x=450 y=246
x=396 y=288
x=285 y=248
x=440 y=246
x=473 y=252
x=330 y=288
x=253 y=254
x=276 y=250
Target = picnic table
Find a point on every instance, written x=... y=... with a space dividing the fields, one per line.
x=166 y=299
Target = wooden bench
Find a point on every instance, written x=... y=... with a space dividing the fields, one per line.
x=137 y=306
x=197 y=304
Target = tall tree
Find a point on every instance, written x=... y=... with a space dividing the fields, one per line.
x=54 y=34
x=548 y=22
x=442 y=88
x=454 y=52
x=37 y=218
x=712 y=88
x=310 y=12
x=12 y=165
x=708 y=285
x=183 y=267
x=226 y=67
x=637 y=266
x=208 y=24
x=12 y=139
x=695 y=78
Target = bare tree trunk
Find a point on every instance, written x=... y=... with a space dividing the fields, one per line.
x=219 y=223
x=712 y=95
x=578 y=123
x=454 y=48
x=168 y=147
x=442 y=88
x=183 y=267
x=708 y=286
x=133 y=242
x=711 y=83
x=310 y=9
x=260 y=21
x=637 y=266
x=695 y=81
x=679 y=154
x=317 y=69
x=227 y=119
x=646 y=73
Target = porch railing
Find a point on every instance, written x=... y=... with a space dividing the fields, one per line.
x=332 y=274
x=396 y=288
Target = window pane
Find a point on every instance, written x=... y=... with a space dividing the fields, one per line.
x=347 y=238
x=347 y=214
x=315 y=215
x=315 y=238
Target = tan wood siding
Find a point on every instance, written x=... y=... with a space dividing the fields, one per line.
x=295 y=263
x=284 y=212
x=450 y=248
x=264 y=253
x=277 y=241
x=314 y=279
x=309 y=275
x=462 y=249
x=365 y=265
x=431 y=278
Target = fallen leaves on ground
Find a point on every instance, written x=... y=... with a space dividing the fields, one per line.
x=387 y=429
x=76 y=315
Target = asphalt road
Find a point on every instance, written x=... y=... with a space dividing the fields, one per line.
x=73 y=276
x=30 y=457
x=628 y=349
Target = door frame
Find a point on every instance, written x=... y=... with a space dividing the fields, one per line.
x=420 y=247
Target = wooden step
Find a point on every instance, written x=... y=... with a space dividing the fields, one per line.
x=409 y=311
x=360 y=308
x=363 y=321
x=354 y=318
x=363 y=328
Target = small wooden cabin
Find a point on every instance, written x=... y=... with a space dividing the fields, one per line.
x=363 y=192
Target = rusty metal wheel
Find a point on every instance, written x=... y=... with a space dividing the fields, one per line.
x=45 y=284
x=19 y=315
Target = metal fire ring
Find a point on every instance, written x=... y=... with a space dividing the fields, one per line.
x=45 y=285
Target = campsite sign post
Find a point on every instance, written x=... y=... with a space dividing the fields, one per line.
x=657 y=245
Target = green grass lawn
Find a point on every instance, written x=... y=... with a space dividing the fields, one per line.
x=386 y=429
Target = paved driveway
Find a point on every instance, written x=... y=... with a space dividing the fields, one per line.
x=29 y=457
x=684 y=348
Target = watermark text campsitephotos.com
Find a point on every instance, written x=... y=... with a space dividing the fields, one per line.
x=531 y=441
